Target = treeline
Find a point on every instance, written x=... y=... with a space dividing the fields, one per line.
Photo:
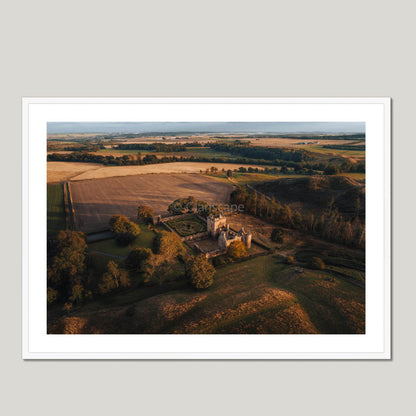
x=330 y=226
x=124 y=160
x=265 y=153
x=156 y=147
x=75 y=147
x=344 y=147
x=132 y=159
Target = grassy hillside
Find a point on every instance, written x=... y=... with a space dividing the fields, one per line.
x=317 y=193
x=261 y=295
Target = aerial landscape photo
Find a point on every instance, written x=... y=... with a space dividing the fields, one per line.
x=206 y=228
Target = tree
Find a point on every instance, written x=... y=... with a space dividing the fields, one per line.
x=200 y=272
x=277 y=236
x=229 y=173
x=167 y=246
x=145 y=213
x=316 y=263
x=124 y=239
x=136 y=259
x=236 y=250
x=331 y=170
x=113 y=278
x=69 y=263
x=78 y=293
x=125 y=231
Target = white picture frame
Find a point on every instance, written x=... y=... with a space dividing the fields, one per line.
x=374 y=344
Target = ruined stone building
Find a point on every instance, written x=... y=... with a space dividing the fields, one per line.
x=218 y=228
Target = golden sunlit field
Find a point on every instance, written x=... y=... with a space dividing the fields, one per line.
x=85 y=171
x=63 y=171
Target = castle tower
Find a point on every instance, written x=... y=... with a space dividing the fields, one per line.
x=215 y=223
x=222 y=240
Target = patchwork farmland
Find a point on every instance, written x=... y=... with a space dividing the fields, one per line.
x=303 y=202
x=95 y=201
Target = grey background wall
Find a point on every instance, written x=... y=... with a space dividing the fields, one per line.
x=212 y=48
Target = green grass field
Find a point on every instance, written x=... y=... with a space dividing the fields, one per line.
x=144 y=239
x=55 y=209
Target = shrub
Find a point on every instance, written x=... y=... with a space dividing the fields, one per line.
x=237 y=250
x=220 y=260
x=290 y=260
x=316 y=263
x=277 y=236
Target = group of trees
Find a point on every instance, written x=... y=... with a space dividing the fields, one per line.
x=66 y=269
x=154 y=266
x=125 y=160
x=70 y=281
x=330 y=225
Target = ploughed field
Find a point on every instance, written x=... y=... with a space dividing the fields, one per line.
x=95 y=201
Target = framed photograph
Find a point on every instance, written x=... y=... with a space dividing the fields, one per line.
x=206 y=228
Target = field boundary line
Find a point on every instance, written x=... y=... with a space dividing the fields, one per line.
x=71 y=208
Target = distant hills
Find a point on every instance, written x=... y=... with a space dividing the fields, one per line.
x=207 y=127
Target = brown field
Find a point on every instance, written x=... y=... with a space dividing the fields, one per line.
x=63 y=171
x=171 y=168
x=95 y=201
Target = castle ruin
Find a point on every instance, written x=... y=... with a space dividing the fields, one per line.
x=218 y=228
